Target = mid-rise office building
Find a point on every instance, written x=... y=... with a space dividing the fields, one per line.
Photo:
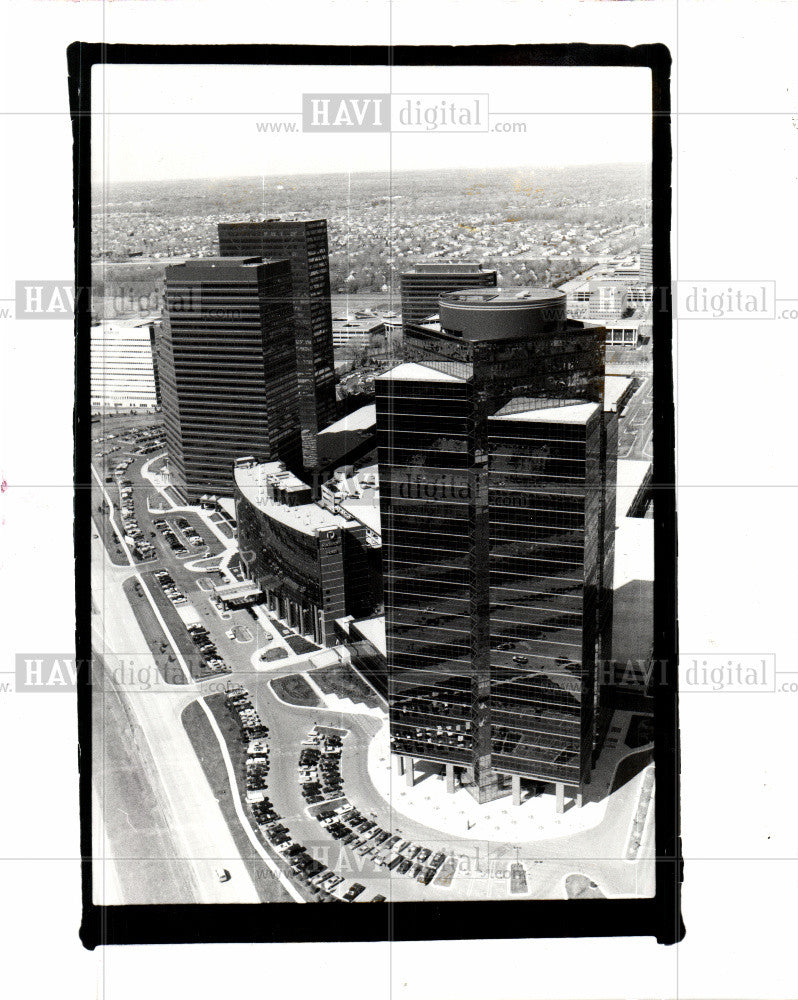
x=123 y=370
x=423 y=285
x=647 y=263
x=227 y=368
x=496 y=464
x=304 y=244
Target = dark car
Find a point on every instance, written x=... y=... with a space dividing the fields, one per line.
x=426 y=876
x=353 y=892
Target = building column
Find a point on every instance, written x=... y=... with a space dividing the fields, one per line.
x=410 y=774
x=398 y=764
x=516 y=783
x=578 y=800
x=450 y=778
x=560 y=791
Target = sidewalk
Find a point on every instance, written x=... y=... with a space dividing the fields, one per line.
x=458 y=814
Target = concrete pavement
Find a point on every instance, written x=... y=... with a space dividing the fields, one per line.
x=186 y=799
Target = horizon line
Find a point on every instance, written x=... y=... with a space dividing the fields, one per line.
x=403 y=170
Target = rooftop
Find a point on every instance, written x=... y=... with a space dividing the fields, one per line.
x=356 y=494
x=359 y=420
x=373 y=629
x=352 y=324
x=615 y=388
x=415 y=372
x=569 y=411
x=466 y=267
x=623 y=324
x=505 y=297
x=255 y=483
x=634 y=476
x=353 y=496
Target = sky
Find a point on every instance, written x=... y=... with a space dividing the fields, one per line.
x=174 y=122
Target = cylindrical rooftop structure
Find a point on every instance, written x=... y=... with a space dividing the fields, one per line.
x=502 y=314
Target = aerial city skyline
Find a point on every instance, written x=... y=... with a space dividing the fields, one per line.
x=411 y=537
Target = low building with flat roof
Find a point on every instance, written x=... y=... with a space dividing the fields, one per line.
x=367 y=647
x=124 y=372
x=352 y=331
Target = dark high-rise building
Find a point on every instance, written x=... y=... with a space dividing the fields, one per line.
x=227 y=369
x=423 y=285
x=497 y=552
x=304 y=244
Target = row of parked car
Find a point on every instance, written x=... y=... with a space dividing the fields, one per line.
x=170 y=537
x=319 y=880
x=363 y=835
x=134 y=536
x=198 y=634
x=201 y=638
x=256 y=771
x=239 y=702
x=189 y=532
x=169 y=587
x=308 y=871
x=320 y=771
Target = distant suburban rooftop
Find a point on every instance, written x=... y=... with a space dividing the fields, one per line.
x=569 y=411
x=343 y=323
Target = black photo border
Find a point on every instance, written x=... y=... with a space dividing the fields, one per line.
x=659 y=916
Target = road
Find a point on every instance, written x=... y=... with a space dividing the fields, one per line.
x=187 y=818
x=635 y=426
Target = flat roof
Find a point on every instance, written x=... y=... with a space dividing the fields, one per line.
x=461 y=267
x=361 y=499
x=367 y=512
x=569 y=412
x=373 y=629
x=504 y=296
x=342 y=324
x=253 y=482
x=358 y=420
x=415 y=372
x=632 y=474
x=614 y=388
x=622 y=324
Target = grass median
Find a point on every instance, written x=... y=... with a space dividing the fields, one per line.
x=206 y=746
x=296 y=691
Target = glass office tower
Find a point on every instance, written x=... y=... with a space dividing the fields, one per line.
x=492 y=447
x=227 y=368
x=304 y=244
x=422 y=286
